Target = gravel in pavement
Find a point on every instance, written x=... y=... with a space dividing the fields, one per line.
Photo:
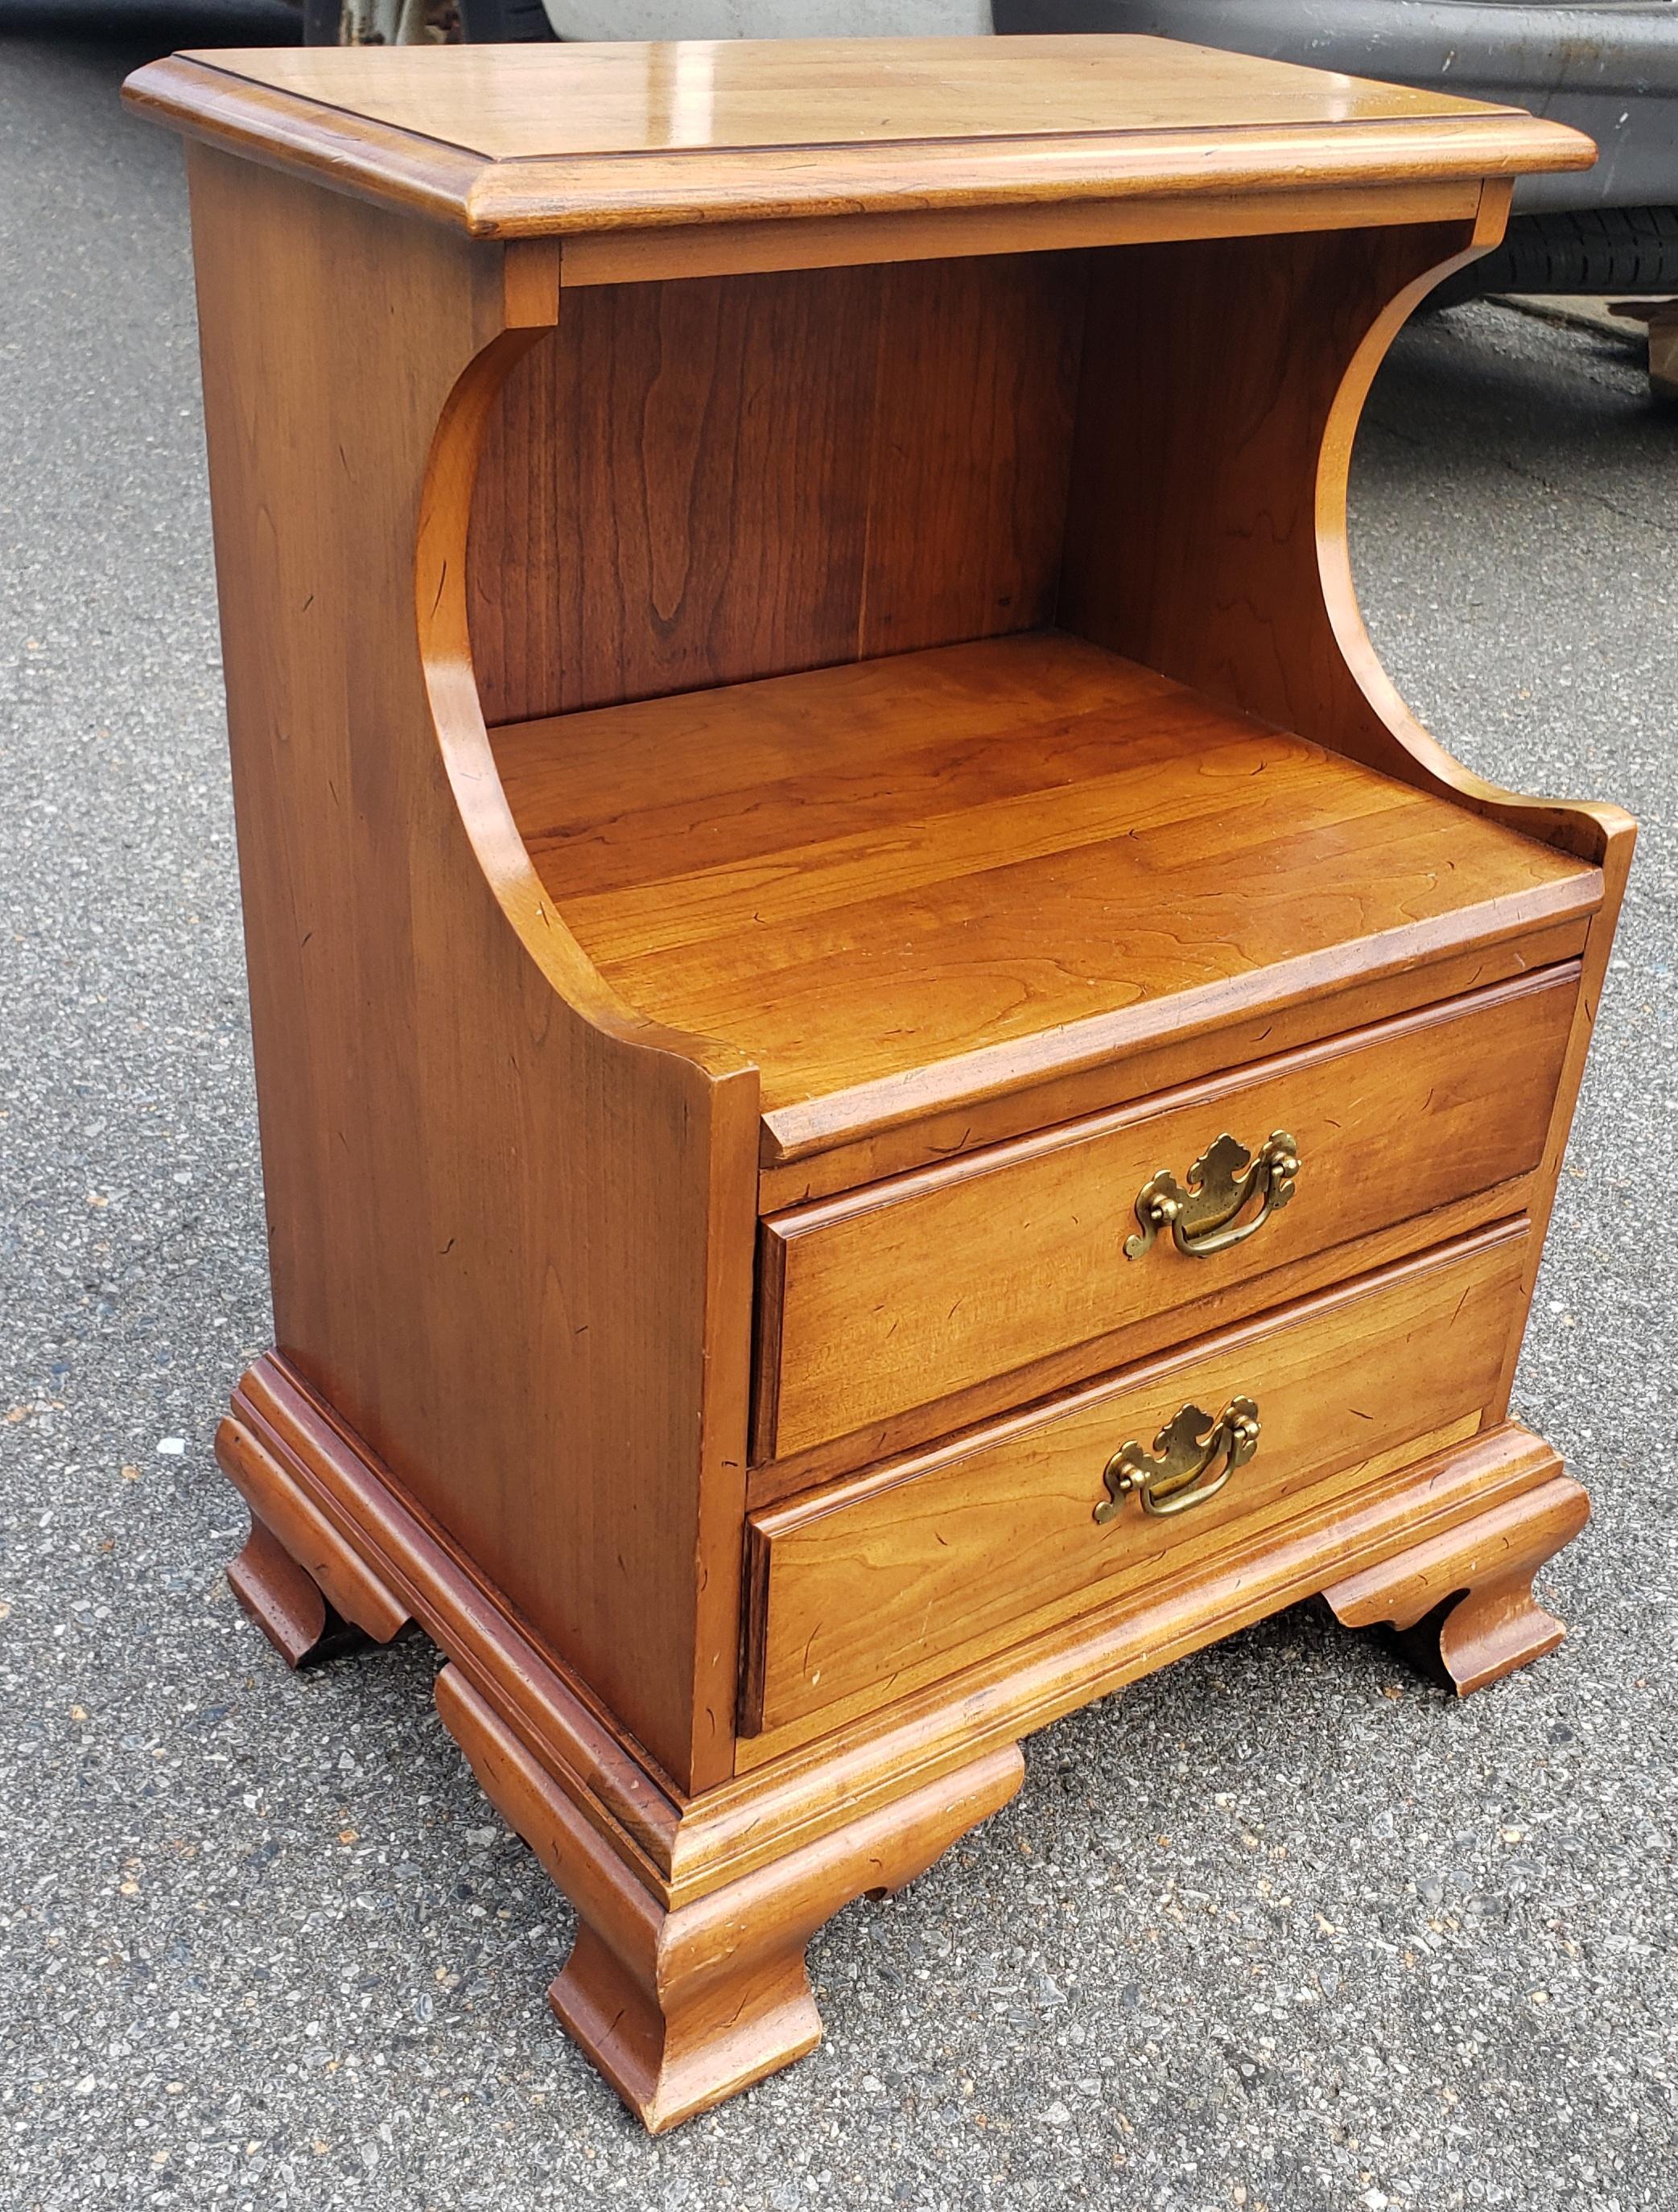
x=1278 y=1928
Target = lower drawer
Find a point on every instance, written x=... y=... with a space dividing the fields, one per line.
x=1072 y=1504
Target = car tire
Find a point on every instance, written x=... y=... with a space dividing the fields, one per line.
x=1575 y=250
x=503 y=22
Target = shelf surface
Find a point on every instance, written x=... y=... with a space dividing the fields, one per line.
x=917 y=880
x=527 y=140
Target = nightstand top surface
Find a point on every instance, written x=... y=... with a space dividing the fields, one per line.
x=522 y=139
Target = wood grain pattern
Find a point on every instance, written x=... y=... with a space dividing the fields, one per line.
x=641 y=256
x=909 y=1291
x=694 y=97
x=678 y=2003
x=1129 y=1343
x=1225 y=447
x=287 y=1603
x=853 y=1584
x=437 y=1062
x=737 y=457
x=827 y=1768
x=1232 y=570
x=1044 y=1669
x=579 y=139
x=302 y=1472
x=610 y=556
x=795 y=1178
x=792 y=1792
x=899 y=886
x=689 y=485
x=287 y=1449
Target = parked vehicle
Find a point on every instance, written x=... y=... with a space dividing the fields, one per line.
x=412 y=22
x=1610 y=67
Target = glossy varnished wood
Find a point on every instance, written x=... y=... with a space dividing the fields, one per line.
x=288 y=1601
x=913 y=1290
x=1462 y=1601
x=578 y=140
x=720 y=421
x=817 y=1168
x=699 y=98
x=1228 y=464
x=906 y=884
x=639 y=256
x=405 y=1019
x=1232 y=570
x=659 y=1981
x=647 y=520
x=682 y=2008
x=996 y=1529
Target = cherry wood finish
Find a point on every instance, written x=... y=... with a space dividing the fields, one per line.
x=681 y=2008
x=898 y=884
x=700 y=100
x=596 y=1810
x=913 y=1290
x=820 y=1166
x=1035 y=1673
x=286 y=1601
x=890 y=500
x=635 y=256
x=850 y=1583
x=485 y=1306
x=587 y=141
x=908 y=485
x=1462 y=1601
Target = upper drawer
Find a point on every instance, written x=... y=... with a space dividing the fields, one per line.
x=905 y=1292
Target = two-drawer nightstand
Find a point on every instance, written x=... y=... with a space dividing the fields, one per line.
x=895 y=1086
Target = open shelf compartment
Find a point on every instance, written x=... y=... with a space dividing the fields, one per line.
x=903 y=868
x=922 y=677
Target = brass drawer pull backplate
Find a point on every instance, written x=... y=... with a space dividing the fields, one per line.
x=1201 y=1213
x=1193 y=1457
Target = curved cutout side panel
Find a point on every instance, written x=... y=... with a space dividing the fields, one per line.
x=1223 y=385
x=441 y=565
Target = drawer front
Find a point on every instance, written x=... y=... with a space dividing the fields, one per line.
x=997 y=1534
x=900 y=1295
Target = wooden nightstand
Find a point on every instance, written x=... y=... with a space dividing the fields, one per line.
x=895 y=1086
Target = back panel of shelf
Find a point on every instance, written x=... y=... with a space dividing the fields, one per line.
x=692 y=483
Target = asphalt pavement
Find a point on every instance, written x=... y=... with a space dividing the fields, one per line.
x=1280 y=1929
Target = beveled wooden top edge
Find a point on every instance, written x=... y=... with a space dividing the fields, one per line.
x=341 y=152
x=800 y=1130
x=230 y=99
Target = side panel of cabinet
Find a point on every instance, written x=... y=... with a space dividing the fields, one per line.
x=511 y=1249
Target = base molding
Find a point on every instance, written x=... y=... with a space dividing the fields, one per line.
x=288 y=1606
x=686 y=1981
x=1463 y=1602
x=680 y=2008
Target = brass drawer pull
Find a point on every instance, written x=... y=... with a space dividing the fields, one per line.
x=1225 y=1177
x=1172 y=1476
